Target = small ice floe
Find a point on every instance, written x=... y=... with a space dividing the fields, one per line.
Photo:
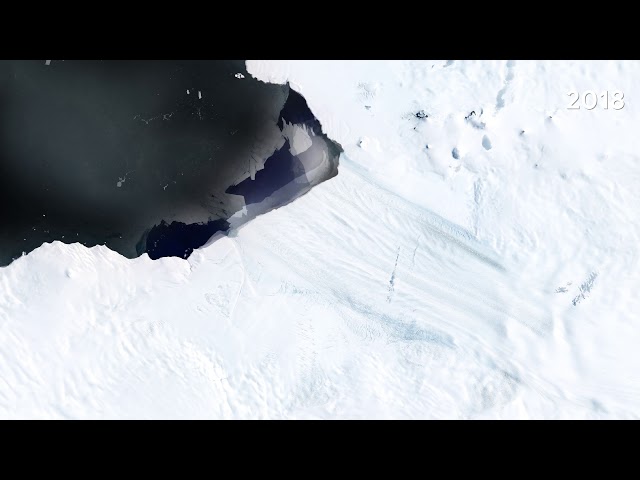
x=239 y=75
x=47 y=62
x=298 y=136
x=199 y=95
x=187 y=91
x=121 y=180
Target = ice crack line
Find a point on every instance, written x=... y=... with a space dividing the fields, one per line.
x=413 y=258
x=585 y=288
x=392 y=280
x=509 y=76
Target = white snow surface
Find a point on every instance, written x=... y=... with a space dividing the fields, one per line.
x=502 y=284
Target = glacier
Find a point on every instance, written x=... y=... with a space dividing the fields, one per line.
x=496 y=282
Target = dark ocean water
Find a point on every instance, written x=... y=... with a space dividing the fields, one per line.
x=119 y=153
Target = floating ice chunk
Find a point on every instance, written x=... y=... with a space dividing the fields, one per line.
x=199 y=95
x=239 y=75
x=47 y=62
x=187 y=91
x=299 y=139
